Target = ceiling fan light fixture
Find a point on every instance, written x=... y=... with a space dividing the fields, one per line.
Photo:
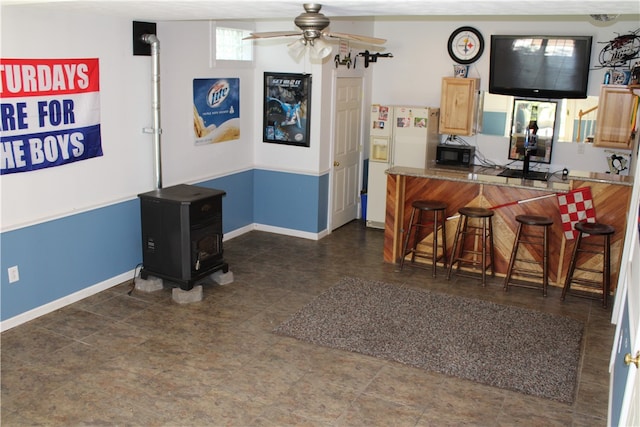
x=319 y=49
x=311 y=35
x=604 y=17
x=312 y=19
x=297 y=48
x=603 y=20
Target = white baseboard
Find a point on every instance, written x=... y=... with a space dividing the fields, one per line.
x=64 y=301
x=116 y=280
x=276 y=230
x=289 y=232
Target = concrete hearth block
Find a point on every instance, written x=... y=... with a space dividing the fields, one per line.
x=185 y=297
x=222 y=278
x=150 y=284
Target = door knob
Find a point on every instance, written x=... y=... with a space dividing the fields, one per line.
x=628 y=360
x=336 y=163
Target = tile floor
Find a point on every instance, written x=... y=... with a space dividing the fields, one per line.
x=115 y=359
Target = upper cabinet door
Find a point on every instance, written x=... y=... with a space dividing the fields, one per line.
x=459 y=106
x=614 y=123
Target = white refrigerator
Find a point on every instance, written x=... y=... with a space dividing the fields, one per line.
x=399 y=136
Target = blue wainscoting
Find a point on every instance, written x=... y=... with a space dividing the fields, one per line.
x=64 y=256
x=60 y=257
x=292 y=201
x=237 y=204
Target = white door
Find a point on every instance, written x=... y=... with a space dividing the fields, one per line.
x=346 y=150
x=624 y=390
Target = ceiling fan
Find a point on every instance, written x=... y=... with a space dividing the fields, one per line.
x=312 y=24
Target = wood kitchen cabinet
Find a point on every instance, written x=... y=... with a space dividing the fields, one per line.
x=614 y=121
x=459 y=104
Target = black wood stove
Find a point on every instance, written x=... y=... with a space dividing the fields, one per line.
x=182 y=234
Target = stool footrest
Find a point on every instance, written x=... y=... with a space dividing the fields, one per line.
x=585 y=294
x=425 y=255
x=588 y=270
x=473 y=274
x=528 y=261
x=588 y=251
x=469 y=261
x=528 y=273
x=532 y=242
x=587 y=282
x=529 y=285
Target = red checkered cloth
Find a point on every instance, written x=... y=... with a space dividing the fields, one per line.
x=576 y=206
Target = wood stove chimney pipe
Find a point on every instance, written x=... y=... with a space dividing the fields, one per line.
x=153 y=41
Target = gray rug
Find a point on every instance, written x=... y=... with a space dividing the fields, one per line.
x=502 y=346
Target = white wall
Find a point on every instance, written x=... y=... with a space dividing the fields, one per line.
x=125 y=169
x=420 y=60
x=185 y=51
x=272 y=56
x=412 y=76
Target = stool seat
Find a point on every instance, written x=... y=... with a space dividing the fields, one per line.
x=532 y=232
x=475 y=212
x=534 y=220
x=429 y=205
x=435 y=224
x=594 y=228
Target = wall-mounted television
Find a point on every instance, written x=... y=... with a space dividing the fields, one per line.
x=552 y=67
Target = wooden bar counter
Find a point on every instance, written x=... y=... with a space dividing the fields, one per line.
x=508 y=197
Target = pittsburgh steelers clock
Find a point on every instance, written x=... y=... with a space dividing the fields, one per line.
x=465 y=45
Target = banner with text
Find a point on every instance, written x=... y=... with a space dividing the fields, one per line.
x=49 y=113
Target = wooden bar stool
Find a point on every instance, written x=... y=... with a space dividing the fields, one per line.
x=417 y=223
x=482 y=231
x=585 y=231
x=527 y=235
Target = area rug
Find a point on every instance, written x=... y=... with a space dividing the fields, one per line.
x=502 y=346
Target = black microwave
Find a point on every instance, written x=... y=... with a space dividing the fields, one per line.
x=455 y=155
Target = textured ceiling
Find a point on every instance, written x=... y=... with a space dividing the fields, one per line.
x=168 y=10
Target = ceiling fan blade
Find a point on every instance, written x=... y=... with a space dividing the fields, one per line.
x=355 y=37
x=271 y=34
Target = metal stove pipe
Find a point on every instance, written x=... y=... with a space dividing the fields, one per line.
x=152 y=40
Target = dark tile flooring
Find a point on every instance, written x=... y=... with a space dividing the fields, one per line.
x=114 y=359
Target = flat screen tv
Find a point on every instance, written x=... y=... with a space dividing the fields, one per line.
x=551 y=67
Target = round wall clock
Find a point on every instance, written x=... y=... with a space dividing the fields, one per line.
x=465 y=45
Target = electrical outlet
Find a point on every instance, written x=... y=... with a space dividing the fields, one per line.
x=14 y=274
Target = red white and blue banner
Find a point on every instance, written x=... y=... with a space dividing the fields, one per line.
x=49 y=113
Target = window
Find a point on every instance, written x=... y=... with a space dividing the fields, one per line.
x=230 y=45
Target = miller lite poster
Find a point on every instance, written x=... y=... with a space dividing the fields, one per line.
x=49 y=113
x=216 y=110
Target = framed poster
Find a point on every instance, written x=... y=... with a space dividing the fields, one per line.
x=286 y=108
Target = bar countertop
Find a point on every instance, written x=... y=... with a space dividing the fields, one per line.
x=489 y=175
x=508 y=197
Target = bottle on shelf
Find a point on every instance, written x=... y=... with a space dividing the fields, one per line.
x=532 y=129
